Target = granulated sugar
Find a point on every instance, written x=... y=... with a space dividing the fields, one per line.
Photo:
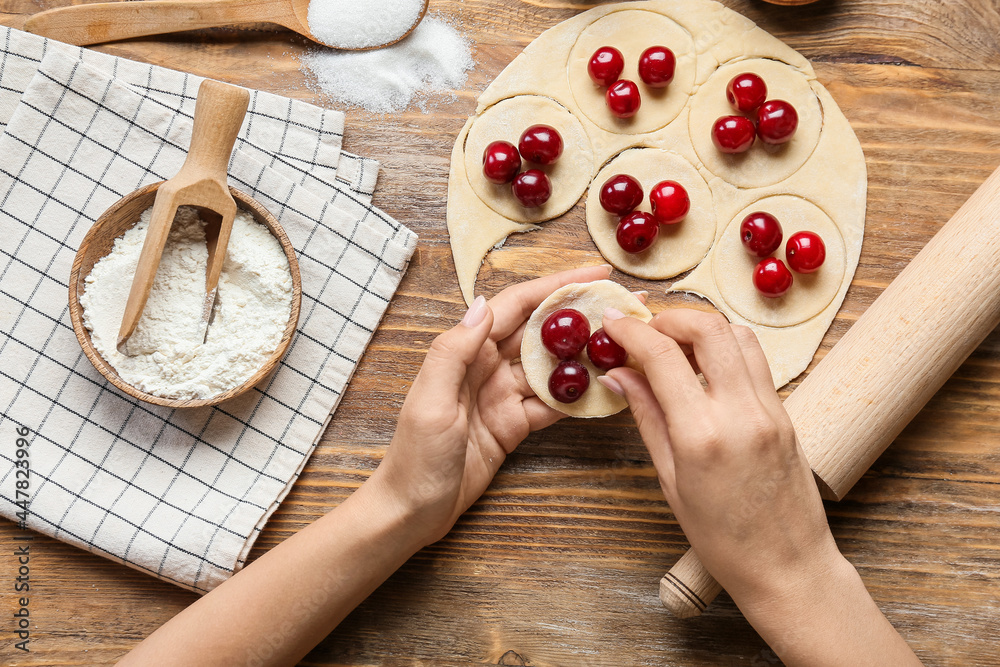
x=434 y=58
x=167 y=355
x=359 y=24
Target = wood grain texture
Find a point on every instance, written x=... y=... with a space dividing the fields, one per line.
x=558 y=564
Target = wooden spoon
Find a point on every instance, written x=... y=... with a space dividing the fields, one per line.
x=112 y=21
x=202 y=182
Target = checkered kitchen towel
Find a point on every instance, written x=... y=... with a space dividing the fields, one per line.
x=180 y=494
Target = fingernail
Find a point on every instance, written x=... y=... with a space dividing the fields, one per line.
x=608 y=267
x=476 y=313
x=612 y=384
x=642 y=294
x=613 y=314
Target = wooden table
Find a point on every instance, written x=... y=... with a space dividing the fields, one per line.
x=558 y=564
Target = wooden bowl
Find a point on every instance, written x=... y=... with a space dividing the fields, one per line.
x=99 y=242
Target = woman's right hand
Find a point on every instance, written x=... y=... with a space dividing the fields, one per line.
x=727 y=457
x=741 y=488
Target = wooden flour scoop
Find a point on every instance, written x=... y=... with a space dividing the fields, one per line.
x=201 y=183
x=886 y=367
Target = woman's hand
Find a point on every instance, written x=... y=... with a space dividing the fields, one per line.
x=469 y=407
x=728 y=460
x=741 y=488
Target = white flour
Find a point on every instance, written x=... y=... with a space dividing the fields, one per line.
x=167 y=356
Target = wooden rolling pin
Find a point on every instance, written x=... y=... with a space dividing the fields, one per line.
x=886 y=367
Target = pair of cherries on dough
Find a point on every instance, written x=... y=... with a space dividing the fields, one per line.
x=541 y=144
x=637 y=230
x=566 y=333
x=775 y=121
x=761 y=235
x=656 y=69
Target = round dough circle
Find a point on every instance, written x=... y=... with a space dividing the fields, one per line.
x=591 y=299
x=678 y=247
x=506 y=121
x=810 y=293
x=762 y=165
x=632 y=32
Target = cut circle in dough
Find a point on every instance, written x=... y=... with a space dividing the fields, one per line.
x=678 y=247
x=763 y=164
x=810 y=293
x=591 y=299
x=632 y=32
x=506 y=121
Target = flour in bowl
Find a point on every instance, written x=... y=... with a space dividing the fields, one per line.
x=167 y=356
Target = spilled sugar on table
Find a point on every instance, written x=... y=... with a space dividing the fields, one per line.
x=558 y=564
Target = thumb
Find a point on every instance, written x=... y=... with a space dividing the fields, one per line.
x=452 y=352
x=649 y=418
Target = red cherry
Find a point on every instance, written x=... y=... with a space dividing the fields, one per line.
x=805 y=252
x=776 y=121
x=532 y=188
x=565 y=333
x=637 y=231
x=604 y=352
x=670 y=202
x=760 y=233
x=656 y=66
x=772 y=278
x=606 y=65
x=733 y=134
x=501 y=162
x=623 y=98
x=621 y=194
x=541 y=144
x=746 y=92
x=569 y=381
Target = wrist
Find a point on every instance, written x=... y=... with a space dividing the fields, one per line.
x=826 y=619
x=392 y=511
x=428 y=498
x=780 y=607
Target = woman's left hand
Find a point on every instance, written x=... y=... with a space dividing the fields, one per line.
x=469 y=407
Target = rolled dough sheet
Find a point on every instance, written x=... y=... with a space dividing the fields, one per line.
x=822 y=166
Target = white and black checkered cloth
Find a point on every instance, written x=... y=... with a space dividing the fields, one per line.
x=179 y=494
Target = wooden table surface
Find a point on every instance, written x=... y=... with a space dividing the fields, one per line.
x=558 y=564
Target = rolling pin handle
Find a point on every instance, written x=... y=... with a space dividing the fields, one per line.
x=687 y=589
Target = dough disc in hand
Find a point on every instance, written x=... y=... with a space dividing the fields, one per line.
x=591 y=299
x=506 y=121
x=678 y=247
